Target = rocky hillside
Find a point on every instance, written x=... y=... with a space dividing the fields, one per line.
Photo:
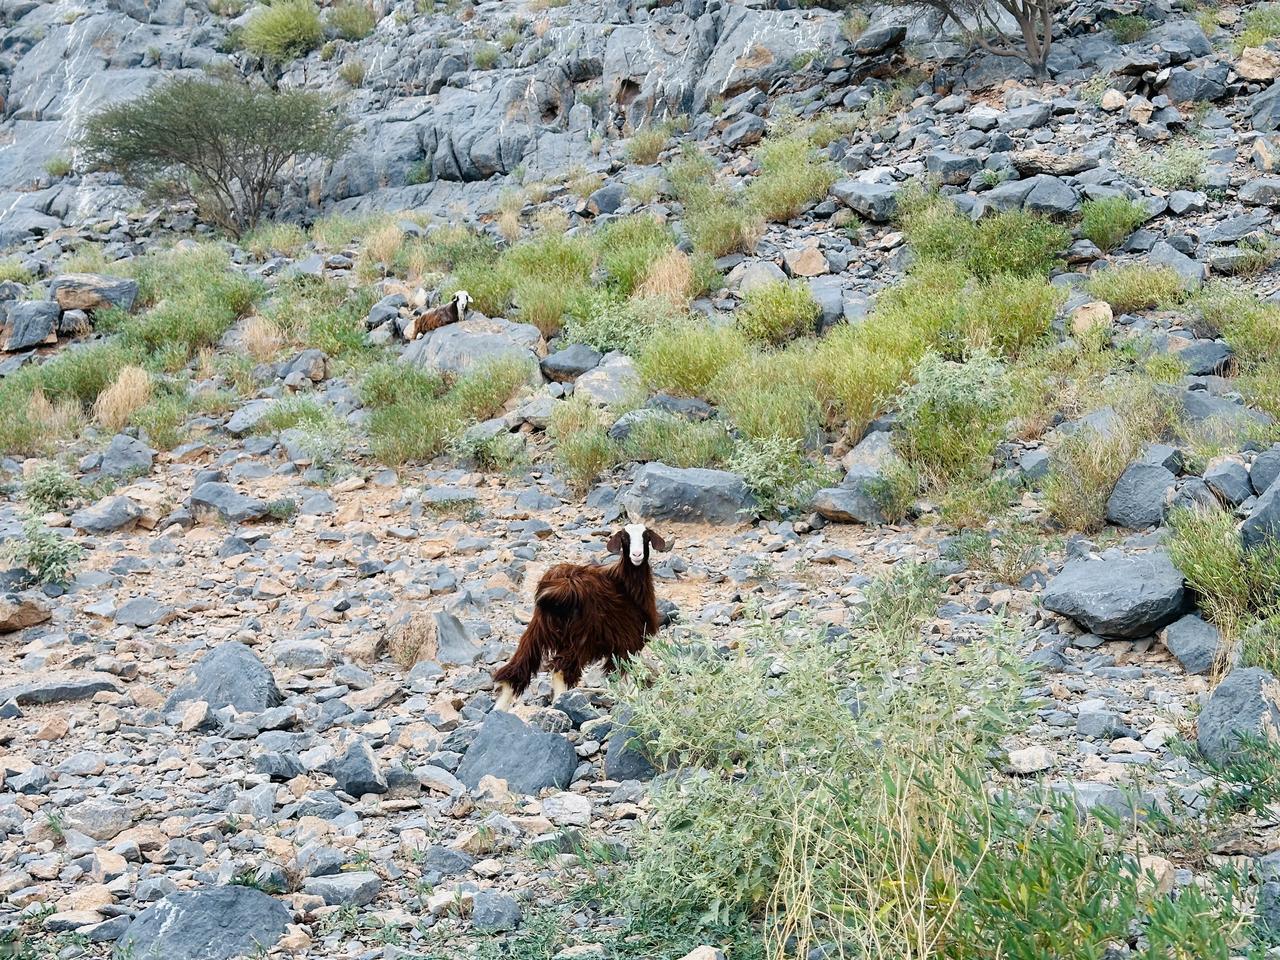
x=953 y=388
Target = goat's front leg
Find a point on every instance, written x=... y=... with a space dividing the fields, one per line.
x=559 y=686
x=506 y=697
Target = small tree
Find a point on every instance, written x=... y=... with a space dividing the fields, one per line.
x=220 y=143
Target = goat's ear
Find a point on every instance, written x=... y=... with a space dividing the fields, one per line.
x=615 y=542
x=657 y=542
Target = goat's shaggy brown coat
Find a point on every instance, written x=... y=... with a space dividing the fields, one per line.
x=435 y=318
x=583 y=615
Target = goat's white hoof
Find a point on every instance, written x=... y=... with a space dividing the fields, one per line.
x=505 y=699
x=558 y=686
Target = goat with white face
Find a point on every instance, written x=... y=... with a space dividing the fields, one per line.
x=455 y=311
x=583 y=615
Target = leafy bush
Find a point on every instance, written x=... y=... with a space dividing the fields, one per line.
x=582 y=445
x=1138 y=287
x=351 y=19
x=50 y=557
x=792 y=176
x=485 y=56
x=685 y=358
x=1180 y=166
x=778 y=474
x=1127 y=29
x=779 y=311
x=647 y=144
x=1110 y=221
x=768 y=395
x=50 y=488
x=1249 y=324
x=678 y=442
x=953 y=416
x=283 y=30
x=12 y=271
x=607 y=321
x=1234 y=585
x=220 y=144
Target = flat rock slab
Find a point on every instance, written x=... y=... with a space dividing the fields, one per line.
x=93 y=291
x=1119 y=597
x=511 y=750
x=58 y=686
x=19 y=611
x=217 y=923
x=694 y=495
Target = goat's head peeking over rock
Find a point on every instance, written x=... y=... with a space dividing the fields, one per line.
x=634 y=541
x=463 y=300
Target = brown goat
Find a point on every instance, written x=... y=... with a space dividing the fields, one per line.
x=585 y=614
x=435 y=318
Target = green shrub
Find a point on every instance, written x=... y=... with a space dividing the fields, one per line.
x=219 y=144
x=953 y=416
x=1008 y=314
x=1127 y=29
x=777 y=312
x=1261 y=23
x=778 y=474
x=50 y=557
x=58 y=167
x=692 y=176
x=768 y=395
x=685 y=358
x=485 y=56
x=275 y=240
x=1138 y=287
x=722 y=225
x=1013 y=242
x=792 y=176
x=161 y=420
x=1083 y=470
x=1109 y=221
x=548 y=273
x=607 y=321
x=582 y=445
x=352 y=72
x=678 y=443
x=351 y=19
x=50 y=488
x=1180 y=166
x=1249 y=324
x=291 y=412
x=647 y=144
x=502 y=451
x=628 y=247
x=284 y=30
x=1234 y=585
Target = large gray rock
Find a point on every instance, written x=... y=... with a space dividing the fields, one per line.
x=225 y=501
x=528 y=759
x=247 y=416
x=27 y=324
x=229 y=675
x=459 y=347
x=1261 y=191
x=495 y=912
x=1263 y=524
x=126 y=456
x=851 y=503
x=693 y=495
x=357 y=772
x=1119 y=597
x=1265 y=470
x=857 y=498
x=1245 y=704
x=571 y=362
x=215 y=923
x=108 y=514
x=1192 y=272
x=1193 y=642
x=91 y=292
x=1139 y=497
x=345 y=889
x=58 y=686
x=877 y=202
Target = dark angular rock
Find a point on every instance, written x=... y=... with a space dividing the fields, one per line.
x=1245 y=704
x=226 y=502
x=357 y=772
x=528 y=759
x=693 y=495
x=568 y=364
x=54 y=686
x=215 y=923
x=229 y=675
x=143 y=612
x=877 y=202
x=1120 y=597
x=1193 y=642
x=343 y=889
x=494 y=912
x=1263 y=524
x=27 y=324
x=880 y=39
x=1140 y=495
x=1229 y=479
x=126 y=456
x=1265 y=470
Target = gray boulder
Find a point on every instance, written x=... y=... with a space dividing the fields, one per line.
x=345 y=889
x=1245 y=704
x=107 y=515
x=58 y=686
x=457 y=348
x=570 y=363
x=247 y=416
x=229 y=675
x=1119 y=597
x=143 y=612
x=21 y=610
x=1140 y=495
x=851 y=503
x=226 y=502
x=879 y=39
x=1263 y=524
x=1192 y=272
x=1261 y=191
x=660 y=492
x=91 y=292
x=1228 y=477
x=126 y=456
x=877 y=202
x=357 y=771
x=494 y=912
x=1265 y=470
x=215 y=923
x=27 y=324
x=511 y=750
x=1194 y=643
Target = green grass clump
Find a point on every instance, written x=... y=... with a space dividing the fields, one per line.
x=351 y=20
x=647 y=143
x=792 y=176
x=1008 y=314
x=547 y=274
x=275 y=240
x=1138 y=287
x=485 y=56
x=1127 y=29
x=1249 y=324
x=1261 y=23
x=769 y=395
x=953 y=415
x=1235 y=586
x=161 y=420
x=777 y=312
x=1015 y=242
x=1110 y=221
x=678 y=442
x=417 y=415
x=628 y=247
x=50 y=557
x=717 y=220
x=12 y=271
x=50 y=488
x=284 y=30
x=291 y=412
x=685 y=358
x=583 y=449
x=1180 y=166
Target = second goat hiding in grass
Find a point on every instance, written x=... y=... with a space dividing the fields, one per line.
x=585 y=614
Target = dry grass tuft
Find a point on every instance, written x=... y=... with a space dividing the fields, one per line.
x=130 y=391
x=670 y=278
x=411 y=638
x=262 y=338
x=62 y=419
